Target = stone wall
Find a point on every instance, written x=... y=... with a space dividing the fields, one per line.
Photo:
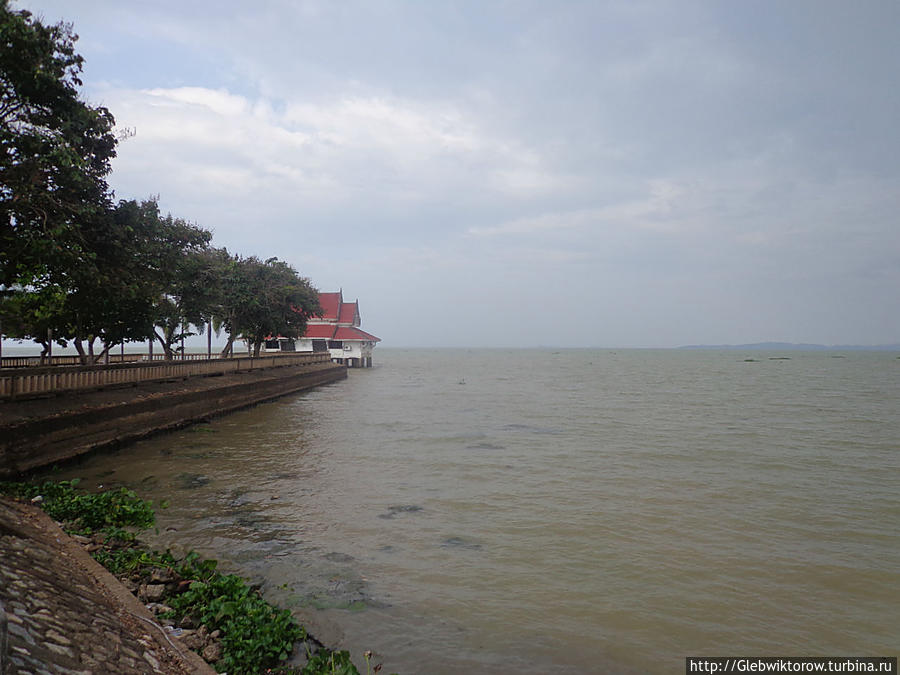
x=45 y=432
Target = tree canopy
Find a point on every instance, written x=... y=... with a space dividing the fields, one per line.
x=55 y=151
x=264 y=298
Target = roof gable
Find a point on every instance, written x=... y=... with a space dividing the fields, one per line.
x=349 y=313
x=331 y=305
x=338 y=318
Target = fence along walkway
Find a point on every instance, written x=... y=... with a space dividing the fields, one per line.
x=75 y=360
x=18 y=383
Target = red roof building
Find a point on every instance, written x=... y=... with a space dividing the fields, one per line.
x=337 y=331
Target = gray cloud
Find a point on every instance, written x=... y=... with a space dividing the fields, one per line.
x=579 y=173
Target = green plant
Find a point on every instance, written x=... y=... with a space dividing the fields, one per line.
x=86 y=512
x=120 y=561
x=327 y=662
x=254 y=633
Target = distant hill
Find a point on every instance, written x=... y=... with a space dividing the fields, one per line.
x=784 y=346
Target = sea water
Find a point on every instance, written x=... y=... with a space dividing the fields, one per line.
x=571 y=511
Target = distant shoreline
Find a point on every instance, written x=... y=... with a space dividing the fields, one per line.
x=770 y=346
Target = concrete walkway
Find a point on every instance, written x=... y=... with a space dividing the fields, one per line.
x=61 y=612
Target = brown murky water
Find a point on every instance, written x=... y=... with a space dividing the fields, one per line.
x=483 y=511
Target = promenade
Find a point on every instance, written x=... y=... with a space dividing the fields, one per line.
x=62 y=613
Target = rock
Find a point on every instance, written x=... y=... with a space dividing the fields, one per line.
x=152 y=592
x=162 y=576
x=191 y=640
x=212 y=652
x=158 y=607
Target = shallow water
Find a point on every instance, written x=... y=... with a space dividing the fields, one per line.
x=534 y=511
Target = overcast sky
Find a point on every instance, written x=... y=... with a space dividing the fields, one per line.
x=519 y=173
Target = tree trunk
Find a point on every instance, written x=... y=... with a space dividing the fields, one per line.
x=80 y=349
x=105 y=353
x=45 y=352
x=167 y=347
x=229 y=347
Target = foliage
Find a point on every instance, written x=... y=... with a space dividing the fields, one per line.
x=109 y=510
x=138 y=255
x=227 y=603
x=264 y=298
x=193 y=296
x=329 y=662
x=129 y=559
x=35 y=314
x=122 y=289
x=55 y=152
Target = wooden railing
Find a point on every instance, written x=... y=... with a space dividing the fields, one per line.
x=38 y=381
x=75 y=360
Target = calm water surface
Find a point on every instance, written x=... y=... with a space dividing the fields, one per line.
x=480 y=511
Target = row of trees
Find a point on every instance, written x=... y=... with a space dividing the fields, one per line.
x=78 y=267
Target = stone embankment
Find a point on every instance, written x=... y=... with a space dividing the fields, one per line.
x=61 y=612
x=42 y=432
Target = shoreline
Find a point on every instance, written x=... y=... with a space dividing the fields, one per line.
x=67 y=602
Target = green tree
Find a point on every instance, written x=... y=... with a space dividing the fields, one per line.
x=55 y=153
x=144 y=277
x=34 y=315
x=119 y=292
x=265 y=298
x=192 y=298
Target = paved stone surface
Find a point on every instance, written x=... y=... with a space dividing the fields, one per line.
x=61 y=612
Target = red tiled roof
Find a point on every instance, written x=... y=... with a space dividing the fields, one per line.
x=351 y=333
x=335 y=311
x=319 y=331
x=348 y=313
x=331 y=303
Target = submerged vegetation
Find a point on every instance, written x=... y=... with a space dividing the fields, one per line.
x=220 y=616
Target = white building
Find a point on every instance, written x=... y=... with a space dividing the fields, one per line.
x=337 y=331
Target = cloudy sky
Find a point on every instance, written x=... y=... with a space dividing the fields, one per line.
x=633 y=173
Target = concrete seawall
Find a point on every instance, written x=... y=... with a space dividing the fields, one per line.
x=42 y=432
